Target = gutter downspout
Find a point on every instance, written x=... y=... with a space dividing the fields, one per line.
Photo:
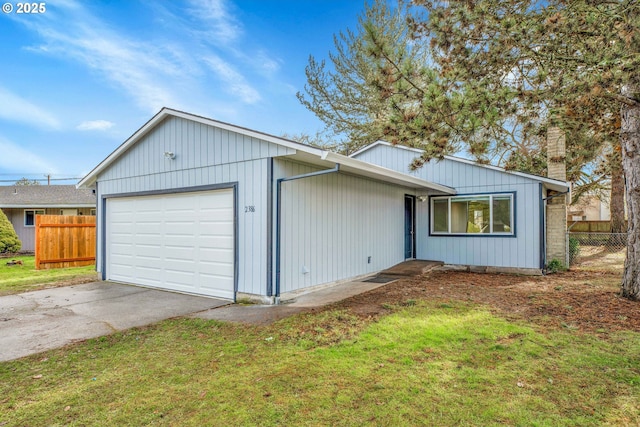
x=279 y=182
x=543 y=229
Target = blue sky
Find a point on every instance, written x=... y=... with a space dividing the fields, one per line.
x=80 y=78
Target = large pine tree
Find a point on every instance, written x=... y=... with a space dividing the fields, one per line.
x=358 y=93
x=570 y=63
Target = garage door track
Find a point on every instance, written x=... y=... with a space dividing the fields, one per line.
x=42 y=320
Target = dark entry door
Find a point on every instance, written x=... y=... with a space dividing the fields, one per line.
x=409 y=226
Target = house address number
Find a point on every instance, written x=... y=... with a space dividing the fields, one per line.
x=249 y=209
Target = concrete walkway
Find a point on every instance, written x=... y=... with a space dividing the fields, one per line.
x=290 y=304
x=297 y=303
x=36 y=321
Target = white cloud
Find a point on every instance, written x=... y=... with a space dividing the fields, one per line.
x=224 y=27
x=156 y=72
x=237 y=85
x=18 y=109
x=100 y=125
x=142 y=69
x=267 y=63
x=15 y=158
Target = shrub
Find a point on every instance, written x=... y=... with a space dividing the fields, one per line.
x=574 y=249
x=555 y=265
x=9 y=241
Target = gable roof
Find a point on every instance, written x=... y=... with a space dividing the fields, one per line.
x=304 y=153
x=46 y=196
x=553 y=184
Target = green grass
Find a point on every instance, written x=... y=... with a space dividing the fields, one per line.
x=22 y=278
x=423 y=364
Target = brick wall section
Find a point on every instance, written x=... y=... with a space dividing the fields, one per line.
x=556 y=152
x=556 y=231
x=556 y=207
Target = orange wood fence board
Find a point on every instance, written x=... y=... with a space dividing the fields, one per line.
x=65 y=241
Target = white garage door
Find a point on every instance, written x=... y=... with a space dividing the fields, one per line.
x=182 y=242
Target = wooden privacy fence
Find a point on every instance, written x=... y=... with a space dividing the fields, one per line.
x=590 y=226
x=65 y=241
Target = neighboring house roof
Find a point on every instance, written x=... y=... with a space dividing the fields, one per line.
x=46 y=196
x=304 y=153
x=551 y=183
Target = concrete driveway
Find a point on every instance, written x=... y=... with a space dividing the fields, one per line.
x=42 y=320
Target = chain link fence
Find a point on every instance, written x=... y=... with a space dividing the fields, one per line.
x=597 y=250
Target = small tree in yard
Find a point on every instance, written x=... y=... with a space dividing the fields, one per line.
x=9 y=241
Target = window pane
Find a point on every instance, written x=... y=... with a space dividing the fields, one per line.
x=458 y=216
x=473 y=214
x=440 y=215
x=478 y=219
x=502 y=214
x=470 y=215
x=29 y=218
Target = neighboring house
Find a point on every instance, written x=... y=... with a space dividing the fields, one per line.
x=590 y=208
x=21 y=204
x=199 y=206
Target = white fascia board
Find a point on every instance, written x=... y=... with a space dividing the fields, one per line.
x=370 y=146
x=368 y=169
x=245 y=131
x=91 y=177
x=554 y=184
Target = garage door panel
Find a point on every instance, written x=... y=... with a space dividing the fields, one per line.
x=219 y=255
x=150 y=228
x=216 y=242
x=182 y=242
x=149 y=253
x=214 y=228
x=176 y=253
x=180 y=266
x=182 y=279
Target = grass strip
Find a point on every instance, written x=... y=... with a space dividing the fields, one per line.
x=424 y=364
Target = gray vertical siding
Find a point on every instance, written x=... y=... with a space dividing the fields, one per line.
x=522 y=251
x=27 y=235
x=205 y=155
x=332 y=223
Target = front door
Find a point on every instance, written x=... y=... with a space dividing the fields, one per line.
x=409 y=223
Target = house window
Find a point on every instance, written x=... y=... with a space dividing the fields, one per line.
x=30 y=217
x=92 y=212
x=484 y=214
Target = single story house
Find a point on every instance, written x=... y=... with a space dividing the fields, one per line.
x=21 y=204
x=496 y=218
x=195 y=205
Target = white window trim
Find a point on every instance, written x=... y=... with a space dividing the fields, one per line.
x=466 y=196
x=35 y=212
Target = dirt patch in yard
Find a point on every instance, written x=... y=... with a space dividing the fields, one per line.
x=585 y=301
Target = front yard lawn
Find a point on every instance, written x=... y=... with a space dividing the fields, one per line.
x=23 y=278
x=428 y=351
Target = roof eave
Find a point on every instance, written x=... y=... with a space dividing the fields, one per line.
x=47 y=206
x=551 y=183
x=90 y=179
x=384 y=174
